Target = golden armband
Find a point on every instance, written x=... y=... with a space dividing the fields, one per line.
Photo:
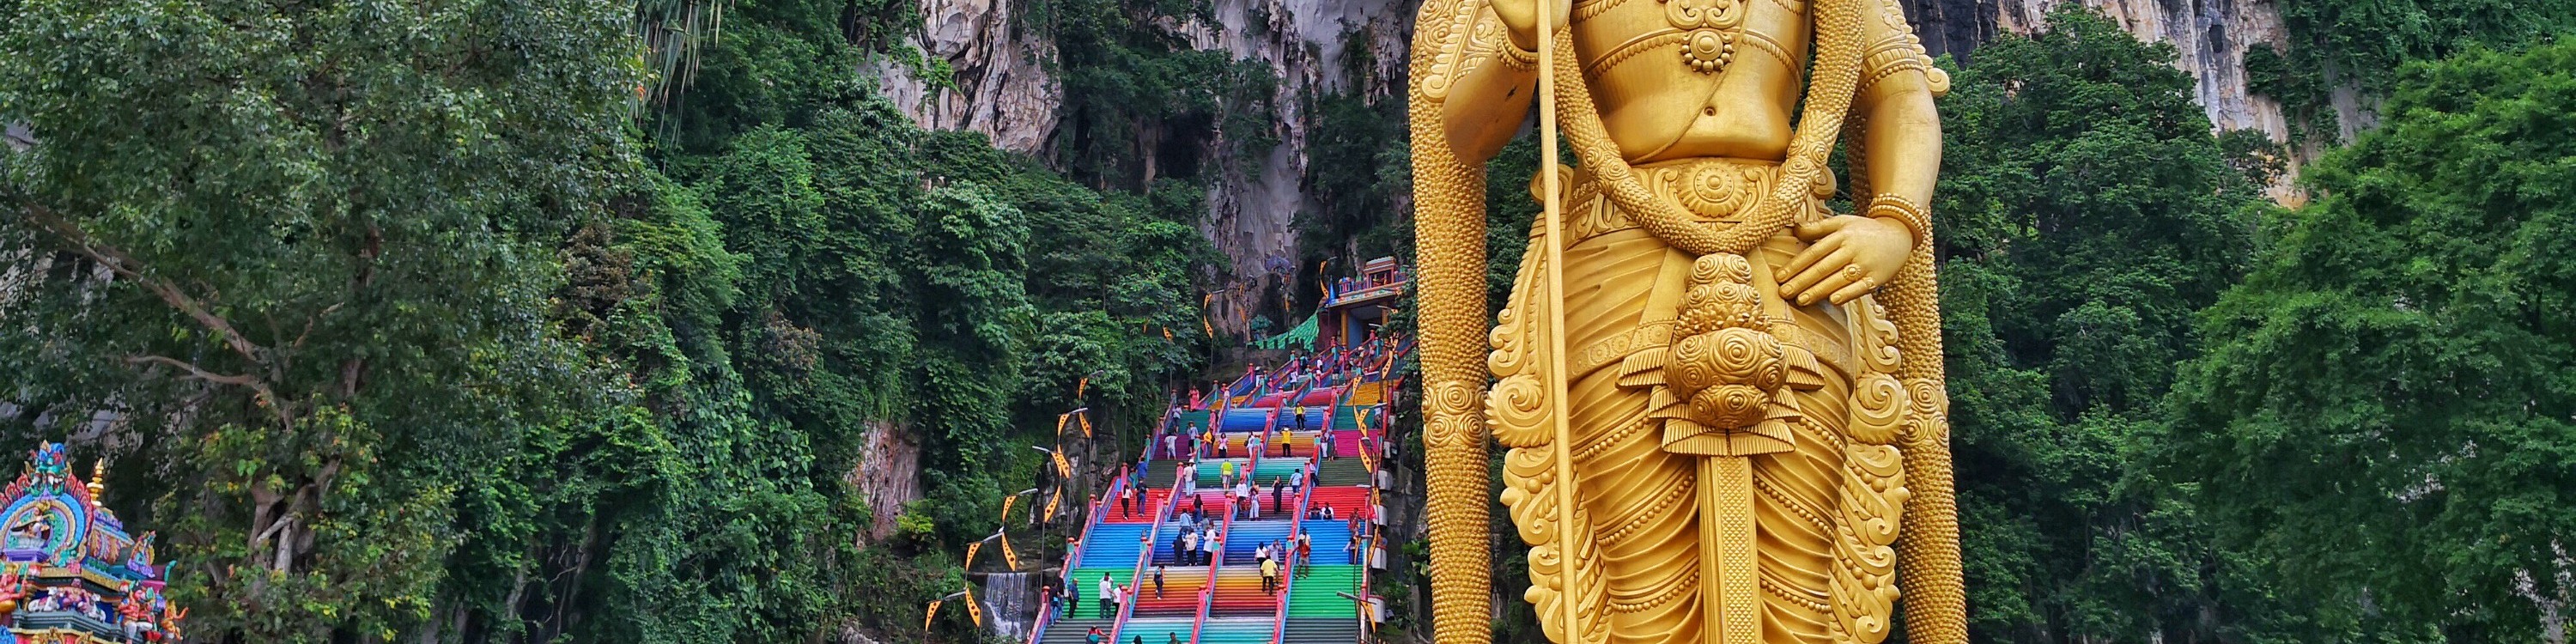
x=1512 y=56
x=1899 y=51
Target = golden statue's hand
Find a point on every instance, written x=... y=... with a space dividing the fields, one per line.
x=1850 y=256
x=1520 y=17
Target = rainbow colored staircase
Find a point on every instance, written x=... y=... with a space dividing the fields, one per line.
x=1318 y=603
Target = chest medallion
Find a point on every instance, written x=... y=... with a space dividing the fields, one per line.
x=1710 y=29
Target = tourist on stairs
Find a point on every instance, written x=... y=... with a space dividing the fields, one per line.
x=1108 y=596
x=1158 y=581
x=1269 y=577
x=1305 y=553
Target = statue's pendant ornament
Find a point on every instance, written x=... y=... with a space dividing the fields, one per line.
x=1711 y=29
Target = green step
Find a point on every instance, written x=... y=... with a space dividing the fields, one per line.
x=1314 y=593
x=1089 y=583
x=1342 y=472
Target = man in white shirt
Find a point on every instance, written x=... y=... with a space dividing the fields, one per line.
x=1108 y=596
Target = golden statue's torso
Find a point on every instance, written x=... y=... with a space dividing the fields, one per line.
x=1731 y=410
x=1658 y=106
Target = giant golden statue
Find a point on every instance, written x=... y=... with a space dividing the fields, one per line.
x=1730 y=427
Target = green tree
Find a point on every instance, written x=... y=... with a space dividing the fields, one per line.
x=301 y=253
x=2086 y=213
x=2384 y=406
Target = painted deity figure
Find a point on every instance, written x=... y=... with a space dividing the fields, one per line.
x=1752 y=399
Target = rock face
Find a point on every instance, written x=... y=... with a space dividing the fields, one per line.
x=2212 y=37
x=888 y=475
x=1000 y=87
x=998 y=82
x=1308 y=45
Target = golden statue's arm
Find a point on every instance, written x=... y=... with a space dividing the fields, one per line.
x=1901 y=131
x=1899 y=157
x=1449 y=68
x=1486 y=93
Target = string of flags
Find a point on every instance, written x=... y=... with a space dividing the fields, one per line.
x=1055 y=498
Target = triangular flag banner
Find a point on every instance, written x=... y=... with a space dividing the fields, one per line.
x=1052 y=500
x=933 y=613
x=1083 y=386
x=1006 y=509
x=970 y=554
x=1059 y=423
x=1086 y=424
x=1063 y=470
x=1008 y=556
x=974 y=608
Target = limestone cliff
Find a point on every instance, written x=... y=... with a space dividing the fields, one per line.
x=996 y=80
x=1000 y=85
x=1308 y=45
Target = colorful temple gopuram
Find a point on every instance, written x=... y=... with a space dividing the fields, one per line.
x=72 y=574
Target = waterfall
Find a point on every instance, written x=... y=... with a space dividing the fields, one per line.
x=1011 y=603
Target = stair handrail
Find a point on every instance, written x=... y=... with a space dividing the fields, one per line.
x=1136 y=576
x=1073 y=558
x=1288 y=571
x=1207 y=601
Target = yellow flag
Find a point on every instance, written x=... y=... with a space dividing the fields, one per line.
x=1083 y=386
x=1063 y=470
x=929 y=615
x=1006 y=508
x=1009 y=557
x=1086 y=424
x=1059 y=423
x=1051 y=501
x=970 y=554
x=974 y=608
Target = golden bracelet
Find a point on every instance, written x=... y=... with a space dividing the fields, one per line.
x=1917 y=220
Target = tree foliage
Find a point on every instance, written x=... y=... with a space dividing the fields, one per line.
x=2086 y=214
x=412 y=320
x=2384 y=408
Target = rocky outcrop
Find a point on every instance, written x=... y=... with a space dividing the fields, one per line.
x=2210 y=36
x=888 y=475
x=999 y=85
x=996 y=79
x=1309 y=45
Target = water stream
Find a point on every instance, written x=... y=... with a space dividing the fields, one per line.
x=1011 y=603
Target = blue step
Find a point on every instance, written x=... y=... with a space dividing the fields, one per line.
x=1113 y=545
